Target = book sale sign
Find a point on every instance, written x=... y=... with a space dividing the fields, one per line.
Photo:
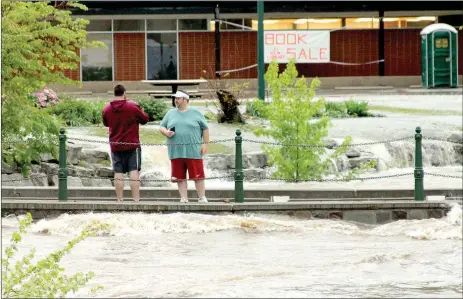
x=305 y=46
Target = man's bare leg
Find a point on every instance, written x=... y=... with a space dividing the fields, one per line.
x=183 y=188
x=200 y=188
x=135 y=185
x=119 y=184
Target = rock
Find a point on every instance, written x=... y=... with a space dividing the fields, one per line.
x=357 y=162
x=8 y=168
x=36 y=169
x=254 y=175
x=74 y=153
x=49 y=168
x=19 y=180
x=257 y=160
x=39 y=179
x=456 y=137
x=106 y=172
x=96 y=182
x=48 y=158
x=80 y=171
x=72 y=181
x=353 y=153
x=342 y=163
x=436 y=153
x=330 y=143
x=155 y=175
x=94 y=156
x=219 y=162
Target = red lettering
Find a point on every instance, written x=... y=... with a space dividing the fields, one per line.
x=300 y=39
x=323 y=54
x=279 y=40
x=291 y=52
x=310 y=55
x=302 y=53
x=288 y=40
x=269 y=39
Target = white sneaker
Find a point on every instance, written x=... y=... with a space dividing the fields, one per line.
x=183 y=200
x=202 y=199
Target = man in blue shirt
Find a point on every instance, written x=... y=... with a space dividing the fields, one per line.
x=186 y=125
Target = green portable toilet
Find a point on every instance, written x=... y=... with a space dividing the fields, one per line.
x=439 y=56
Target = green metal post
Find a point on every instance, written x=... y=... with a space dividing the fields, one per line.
x=419 y=172
x=63 y=172
x=239 y=176
x=260 y=49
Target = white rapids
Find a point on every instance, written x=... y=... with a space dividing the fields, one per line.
x=198 y=255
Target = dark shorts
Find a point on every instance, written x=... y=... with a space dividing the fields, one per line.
x=126 y=161
x=180 y=166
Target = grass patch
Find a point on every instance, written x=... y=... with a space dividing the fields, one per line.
x=155 y=137
x=413 y=110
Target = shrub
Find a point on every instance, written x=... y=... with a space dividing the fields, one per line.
x=45 y=278
x=335 y=110
x=257 y=108
x=156 y=109
x=357 y=109
x=78 y=113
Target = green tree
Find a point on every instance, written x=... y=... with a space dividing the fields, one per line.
x=39 y=42
x=45 y=278
x=292 y=114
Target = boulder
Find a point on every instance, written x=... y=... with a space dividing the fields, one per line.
x=254 y=175
x=49 y=168
x=353 y=153
x=46 y=157
x=18 y=178
x=72 y=181
x=80 y=171
x=154 y=175
x=94 y=156
x=331 y=143
x=106 y=172
x=257 y=160
x=96 y=182
x=74 y=153
x=8 y=168
x=456 y=137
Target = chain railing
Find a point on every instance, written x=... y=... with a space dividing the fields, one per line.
x=239 y=176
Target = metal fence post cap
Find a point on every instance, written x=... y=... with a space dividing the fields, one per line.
x=62 y=130
x=238 y=132
x=418 y=130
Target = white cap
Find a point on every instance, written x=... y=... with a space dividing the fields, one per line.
x=180 y=94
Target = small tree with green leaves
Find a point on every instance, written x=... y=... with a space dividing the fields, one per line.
x=45 y=278
x=292 y=114
x=39 y=42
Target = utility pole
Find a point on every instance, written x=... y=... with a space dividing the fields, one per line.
x=260 y=50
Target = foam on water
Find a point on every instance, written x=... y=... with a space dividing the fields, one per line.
x=129 y=224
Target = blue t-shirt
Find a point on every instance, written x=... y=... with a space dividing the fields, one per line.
x=189 y=126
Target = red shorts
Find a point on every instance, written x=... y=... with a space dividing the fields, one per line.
x=181 y=165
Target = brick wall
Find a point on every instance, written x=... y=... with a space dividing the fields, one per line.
x=75 y=73
x=129 y=56
x=402 y=52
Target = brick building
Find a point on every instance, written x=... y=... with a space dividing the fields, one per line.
x=176 y=40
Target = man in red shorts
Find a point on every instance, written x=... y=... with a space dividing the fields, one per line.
x=123 y=118
x=181 y=125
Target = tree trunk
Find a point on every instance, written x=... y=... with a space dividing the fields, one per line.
x=229 y=106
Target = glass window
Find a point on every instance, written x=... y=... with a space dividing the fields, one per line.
x=361 y=23
x=97 y=63
x=99 y=25
x=325 y=23
x=162 y=56
x=159 y=25
x=197 y=24
x=129 y=25
x=300 y=24
x=417 y=22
